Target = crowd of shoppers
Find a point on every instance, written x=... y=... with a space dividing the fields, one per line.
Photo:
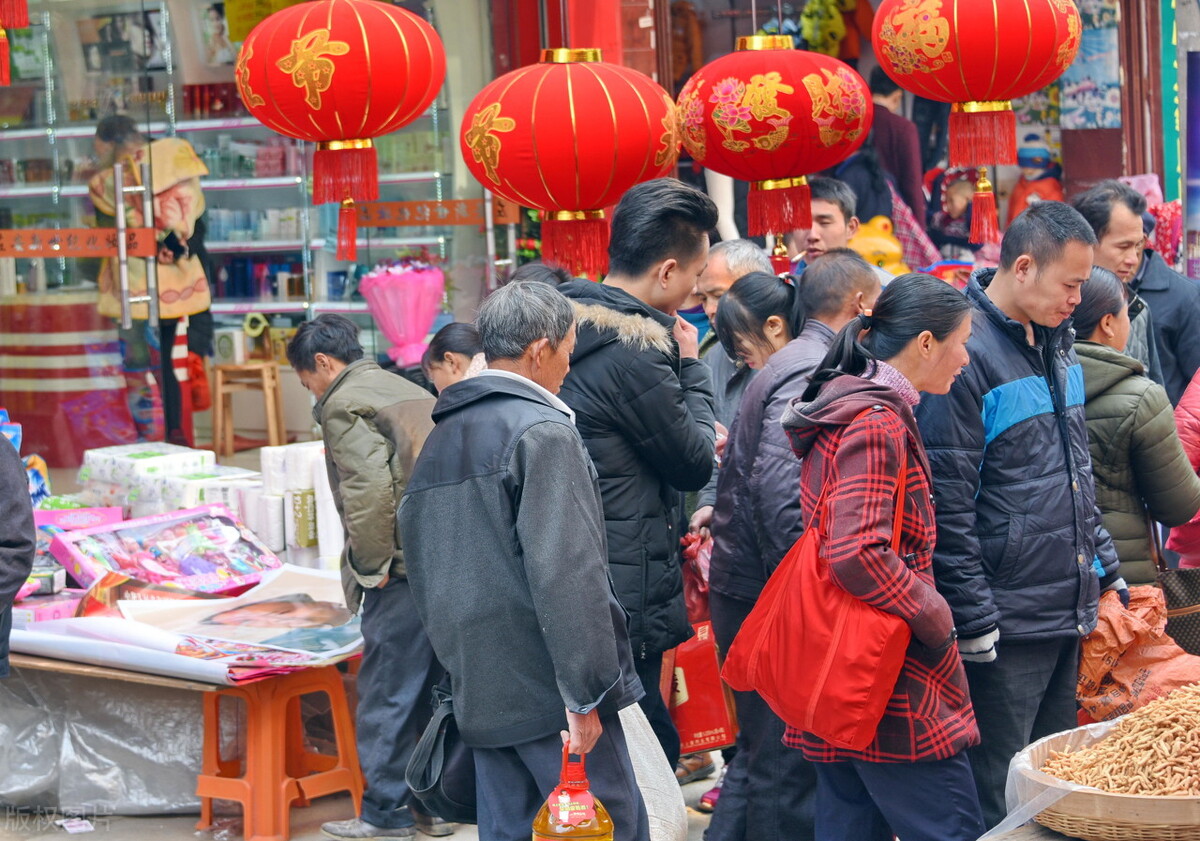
x=574 y=417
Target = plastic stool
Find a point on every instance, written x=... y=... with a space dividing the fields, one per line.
x=252 y=376
x=278 y=771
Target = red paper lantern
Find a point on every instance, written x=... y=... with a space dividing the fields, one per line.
x=977 y=55
x=568 y=136
x=771 y=114
x=339 y=73
x=14 y=14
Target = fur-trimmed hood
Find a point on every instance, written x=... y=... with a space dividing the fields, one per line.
x=607 y=314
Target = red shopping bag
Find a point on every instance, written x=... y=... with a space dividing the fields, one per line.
x=823 y=660
x=701 y=705
x=697 y=553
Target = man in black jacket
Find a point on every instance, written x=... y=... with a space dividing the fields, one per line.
x=16 y=539
x=1171 y=315
x=504 y=545
x=644 y=407
x=1021 y=553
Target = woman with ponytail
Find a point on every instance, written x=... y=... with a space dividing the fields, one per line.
x=855 y=433
x=770 y=789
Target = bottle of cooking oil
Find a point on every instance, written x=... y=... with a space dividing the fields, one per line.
x=571 y=810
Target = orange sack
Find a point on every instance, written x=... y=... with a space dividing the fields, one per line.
x=1129 y=660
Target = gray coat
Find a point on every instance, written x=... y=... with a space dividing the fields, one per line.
x=757 y=517
x=505 y=548
x=16 y=539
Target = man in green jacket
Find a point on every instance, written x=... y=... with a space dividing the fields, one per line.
x=374 y=423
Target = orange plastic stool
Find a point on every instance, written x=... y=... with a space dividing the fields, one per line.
x=278 y=770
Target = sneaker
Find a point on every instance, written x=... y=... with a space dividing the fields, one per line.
x=708 y=800
x=431 y=825
x=357 y=829
x=694 y=766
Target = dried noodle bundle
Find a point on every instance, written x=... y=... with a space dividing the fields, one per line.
x=1154 y=750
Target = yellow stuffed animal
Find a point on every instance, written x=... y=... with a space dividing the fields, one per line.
x=877 y=243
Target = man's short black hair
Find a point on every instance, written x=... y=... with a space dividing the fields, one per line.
x=1097 y=204
x=837 y=192
x=880 y=83
x=331 y=334
x=1042 y=231
x=658 y=220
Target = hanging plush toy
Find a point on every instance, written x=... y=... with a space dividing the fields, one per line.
x=1041 y=176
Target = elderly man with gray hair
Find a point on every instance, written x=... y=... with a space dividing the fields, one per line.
x=504 y=540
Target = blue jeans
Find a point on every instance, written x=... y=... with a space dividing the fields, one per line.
x=918 y=801
x=398 y=672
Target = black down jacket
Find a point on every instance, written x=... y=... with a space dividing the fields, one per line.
x=1020 y=542
x=646 y=417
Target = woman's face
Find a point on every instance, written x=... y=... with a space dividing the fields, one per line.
x=757 y=350
x=451 y=369
x=946 y=360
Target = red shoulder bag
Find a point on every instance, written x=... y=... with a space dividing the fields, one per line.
x=825 y=661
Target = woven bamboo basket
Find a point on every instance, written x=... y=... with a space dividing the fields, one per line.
x=1095 y=815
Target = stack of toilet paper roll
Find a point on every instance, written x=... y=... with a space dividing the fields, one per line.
x=296 y=511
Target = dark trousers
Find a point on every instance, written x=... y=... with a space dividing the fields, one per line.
x=649 y=672
x=512 y=785
x=397 y=674
x=918 y=801
x=770 y=789
x=1026 y=693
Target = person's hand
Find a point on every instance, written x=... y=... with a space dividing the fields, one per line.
x=386 y=578
x=688 y=338
x=583 y=731
x=701 y=522
x=722 y=440
x=1116 y=584
x=165 y=255
x=980 y=648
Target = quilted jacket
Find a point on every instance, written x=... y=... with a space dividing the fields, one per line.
x=1137 y=460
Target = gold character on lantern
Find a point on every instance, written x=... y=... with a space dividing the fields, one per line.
x=484 y=145
x=1066 y=52
x=738 y=101
x=917 y=27
x=670 y=135
x=838 y=105
x=241 y=73
x=309 y=67
x=690 y=118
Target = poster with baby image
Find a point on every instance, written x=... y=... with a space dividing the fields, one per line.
x=292 y=608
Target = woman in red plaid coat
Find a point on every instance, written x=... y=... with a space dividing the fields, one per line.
x=853 y=429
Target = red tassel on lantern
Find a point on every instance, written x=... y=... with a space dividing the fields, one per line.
x=577 y=240
x=14 y=13
x=982 y=131
x=775 y=207
x=344 y=168
x=5 y=74
x=984 y=225
x=347 y=235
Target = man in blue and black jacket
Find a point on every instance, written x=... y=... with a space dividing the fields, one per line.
x=1021 y=555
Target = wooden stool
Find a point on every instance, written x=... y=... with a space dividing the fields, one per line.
x=278 y=770
x=252 y=376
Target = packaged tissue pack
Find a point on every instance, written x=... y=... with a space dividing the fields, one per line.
x=205 y=548
x=213 y=485
x=124 y=464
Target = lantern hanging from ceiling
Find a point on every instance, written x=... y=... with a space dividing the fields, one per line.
x=340 y=73
x=14 y=14
x=568 y=136
x=770 y=114
x=977 y=55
